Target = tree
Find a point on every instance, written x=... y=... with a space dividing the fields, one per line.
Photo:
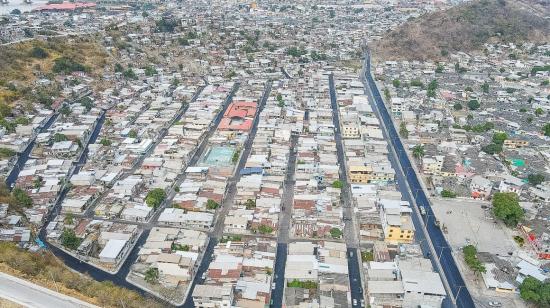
x=534 y=291
x=21 y=197
x=15 y=12
x=457 y=106
x=536 y=179
x=118 y=68
x=336 y=233
x=129 y=74
x=474 y=104
x=439 y=69
x=132 y=133
x=38 y=52
x=150 y=71
x=367 y=256
x=492 y=148
x=470 y=257
x=448 y=194
x=546 y=129
x=539 y=112
x=418 y=151
x=69 y=239
x=265 y=229
x=337 y=184
x=68 y=65
x=152 y=275
x=59 y=137
x=396 y=83
x=155 y=197
x=250 y=204
x=499 y=138
x=211 y=204
x=105 y=142
x=506 y=208
x=403 y=131
x=485 y=87
x=432 y=86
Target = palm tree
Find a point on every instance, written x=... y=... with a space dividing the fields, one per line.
x=418 y=151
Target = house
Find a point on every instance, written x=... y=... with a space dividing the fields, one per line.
x=480 y=187
x=113 y=251
x=213 y=296
x=396 y=221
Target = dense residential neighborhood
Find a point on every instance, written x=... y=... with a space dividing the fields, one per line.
x=262 y=154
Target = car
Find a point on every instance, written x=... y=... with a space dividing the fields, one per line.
x=494 y=304
x=354 y=302
x=273 y=286
x=362 y=303
x=203 y=276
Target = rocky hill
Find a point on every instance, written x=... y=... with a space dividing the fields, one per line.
x=466 y=28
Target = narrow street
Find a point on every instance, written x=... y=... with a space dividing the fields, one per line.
x=350 y=232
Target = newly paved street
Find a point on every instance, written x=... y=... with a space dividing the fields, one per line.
x=434 y=241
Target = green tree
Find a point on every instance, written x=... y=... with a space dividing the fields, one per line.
x=69 y=239
x=470 y=257
x=59 y=137
x=105 y=142
x=546 y=129
x=367 y=256
x=536 y=178
x=21 y=197
x=250 y=204
x=152 y=275
x=38 y=53
x=485 y=87
x=132 y=133
x=211 y=204
x=118 y=68
x=439 y=69
x=534 y=291
x=499 y=138
x=150 y=71
x=474 y=104
x=129 y=74
x=265 y=229
x=457 y=106
x=492 y=148
x=69 y=219
x=396 y=83
x=403 y=131
x=506 y=208
x=155 y=197
x=448 y=194
x=418 y=151
x=539 y=111
x=337 y=184
x=336 y=233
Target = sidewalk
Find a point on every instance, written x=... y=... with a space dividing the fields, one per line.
x=28 y=294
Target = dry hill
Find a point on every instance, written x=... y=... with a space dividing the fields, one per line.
x=466 y=28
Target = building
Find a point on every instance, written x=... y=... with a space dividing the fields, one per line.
x=212 y=296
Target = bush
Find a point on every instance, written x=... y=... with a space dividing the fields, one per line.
x=21 y=197
x=474 y=104
x=337 y=184
x=69 y=239
x=448 y=194
x=265 y=229
x=336 y=233
x=155 y=197
x=38 y=52
x=470 y=257
x=457 y=106
x=536 y=179
x=67 y=65
x=367 y=256
x=302 y=284
x=152 y=275
x=211 y=204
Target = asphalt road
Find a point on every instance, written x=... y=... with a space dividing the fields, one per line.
x=28 y=294
x=350 y=232
x=24 y=156
x=227 y=202
x=406 y=174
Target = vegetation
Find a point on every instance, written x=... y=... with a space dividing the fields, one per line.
x=302 y=284
x=132 y=133
x=367 y=256
x=211 y=204
x=432 y=86
x=250 y=204
x=69 y=239
x=235 y=157
x=21 y=197
x=403 y=131
x=150 y=71
x=470 y=257
x=474 y=104
x=296 y=52
x=68 y=65
x=546 y=129
x=448 y=193
x=45 y=269
x=506 y=208
x=152 y=275
x=520 y=240
x=166 y=25
x=418 y=151
x=336 y=233
x=38 y=53
x=417 y=83
x=59 y=137
x=396 y=83
x=232 y=238
x=536 y=292
x=6 y=153
x=464 y=28
x=457 y=106
x=265 y=229
x=179 y=247
x=496 y=145
x=535 y=178
x=129 y=74
x=485 y=87
x=337 y=184
x=105 y=142
x=155 y=197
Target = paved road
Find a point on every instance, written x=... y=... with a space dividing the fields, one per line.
x=284 y=226
x=31 y=295
x=350 y=232
x=24 y=156
x=227 y=202
x=406 y=175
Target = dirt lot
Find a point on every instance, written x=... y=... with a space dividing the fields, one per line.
x=468 y=223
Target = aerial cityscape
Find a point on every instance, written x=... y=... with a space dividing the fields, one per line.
x=275 y=153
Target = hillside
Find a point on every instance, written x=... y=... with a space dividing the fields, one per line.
x=466 y=28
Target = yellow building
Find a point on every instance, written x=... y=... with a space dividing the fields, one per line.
x=360 y=174
x=396 y=221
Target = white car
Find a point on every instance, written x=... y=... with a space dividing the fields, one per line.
x=354 y=302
